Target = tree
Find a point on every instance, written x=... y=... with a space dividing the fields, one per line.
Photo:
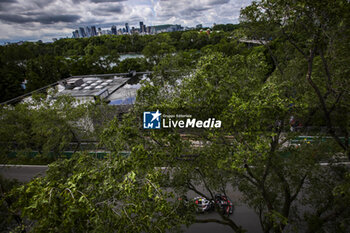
x=45 y=70
x=12 y=76
x=9 y=219
x=188 y=39
x=88 y=194
x=158 y=48
x=43 y=125
x=226 y=27
x=310 y=51
x=137 y=64
x=250 y=152
x=255 y=96
x=316 y=34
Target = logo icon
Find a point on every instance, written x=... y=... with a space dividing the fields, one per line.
x=151 y=120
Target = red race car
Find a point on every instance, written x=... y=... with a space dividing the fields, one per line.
x=224 y=204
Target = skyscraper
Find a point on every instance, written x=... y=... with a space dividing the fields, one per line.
x=114 y=30
x=76 y=34
x=149 y=29
x=141 y=27
x=127 y=30
x=88 y=32
x=93 y=31
x=82 y=32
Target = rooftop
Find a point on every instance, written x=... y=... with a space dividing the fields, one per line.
x=91 y=86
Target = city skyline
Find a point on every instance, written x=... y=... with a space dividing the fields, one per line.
x=91 y=31
x=34 y=20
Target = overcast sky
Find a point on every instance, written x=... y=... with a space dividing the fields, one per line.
x=44 y=19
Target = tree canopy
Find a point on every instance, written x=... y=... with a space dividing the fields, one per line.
x=282 y=143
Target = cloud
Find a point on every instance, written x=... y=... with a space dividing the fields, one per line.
x=42 y=3
x=49 y=19
x=5 y=3
x=43 y=19
x=108 y=8
x=218 y=2
x=199 y=11
x=8 y=1
x=98 y=1
x=40 y=19
x=101 y=1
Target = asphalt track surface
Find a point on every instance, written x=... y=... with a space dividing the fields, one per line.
x=242 y=215
x=22 y=173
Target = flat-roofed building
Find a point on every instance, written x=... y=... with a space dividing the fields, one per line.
x=91 y=88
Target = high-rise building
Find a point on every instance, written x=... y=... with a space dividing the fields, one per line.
x=75 y=34
x=149 y=29
x=82 y=32
x=88 y=31
x=127 y=29
x=141 y=27
x=93 y=31
x=114 y=30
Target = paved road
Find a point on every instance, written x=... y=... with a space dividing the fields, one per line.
x=22 y=173
x=243 y=215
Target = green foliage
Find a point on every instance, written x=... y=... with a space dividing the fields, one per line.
x=8 y=218
x=301 y=72
x=158 y=48
x=226 y=27
x=86 y=194
x=193 y=40
x=309 y=43
x=42 y=64
x=10 y=82
x=137 y=64
x=45 y=70
x=41 y=125
x=255 y=104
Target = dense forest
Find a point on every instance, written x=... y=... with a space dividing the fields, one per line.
x=41 y=64
x=293 y=85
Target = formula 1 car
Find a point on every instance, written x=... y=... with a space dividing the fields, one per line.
x=224 y=204
x=203 y=204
